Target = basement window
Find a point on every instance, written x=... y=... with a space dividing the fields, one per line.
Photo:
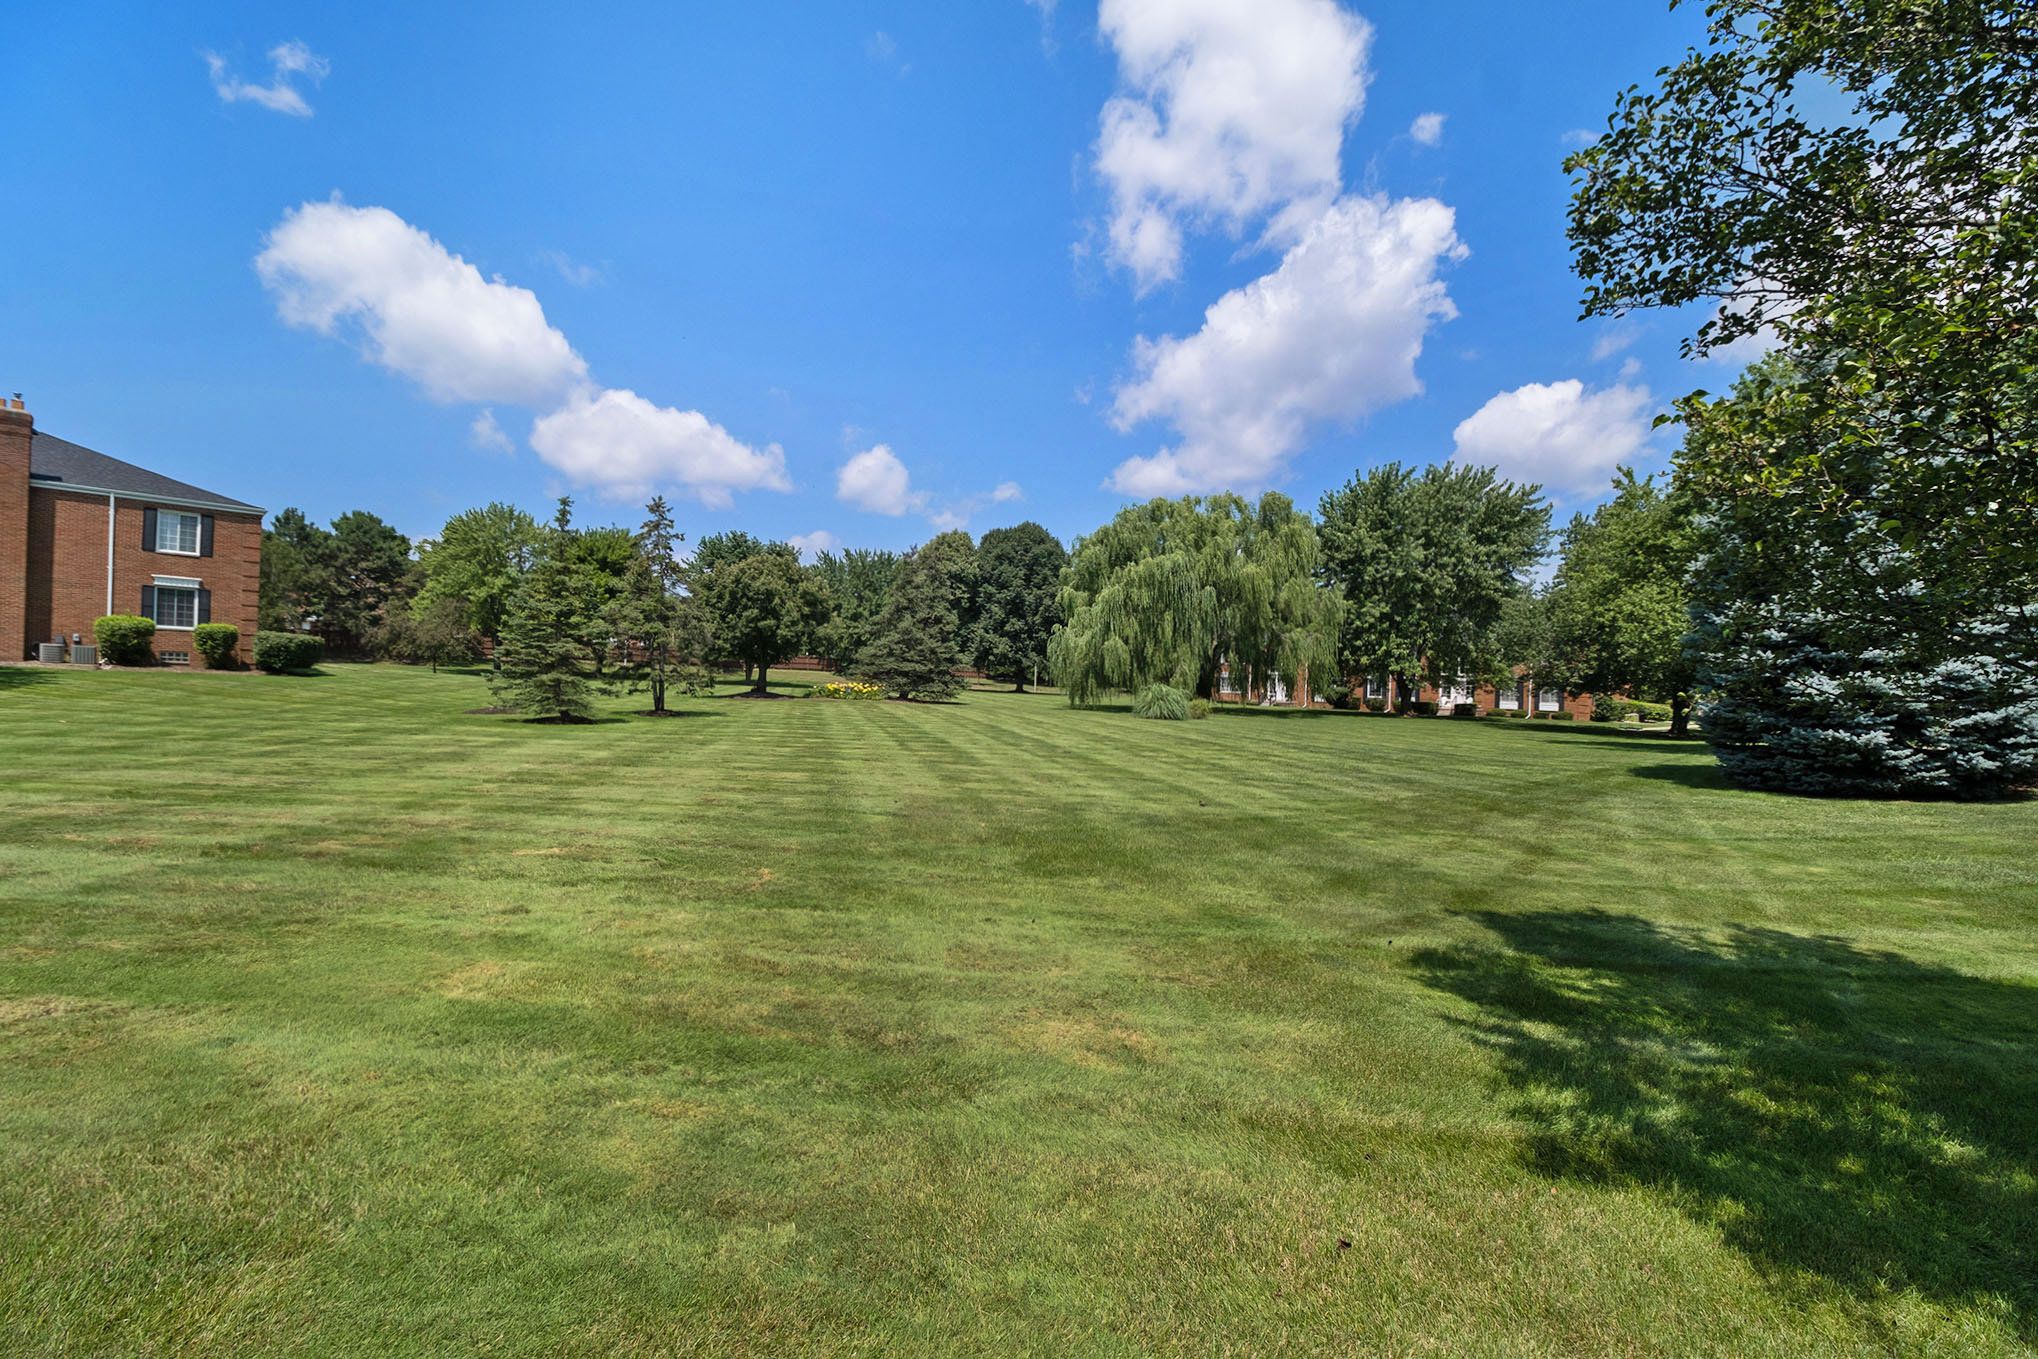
x=174 y=657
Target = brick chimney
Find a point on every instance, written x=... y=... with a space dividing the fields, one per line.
x=17 y=427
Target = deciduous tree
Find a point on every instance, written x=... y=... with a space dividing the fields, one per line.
x=1019 y=574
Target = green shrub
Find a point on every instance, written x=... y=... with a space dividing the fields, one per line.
x=1199 y=708
x=1421 y=707
x=1607 y=708
x=1341 y=697
x=1162 y=703
x=1376 y=705
x=1464 y=710
x=218 y=643
x=281 y=652
x=124 y=639
x=1562 y=716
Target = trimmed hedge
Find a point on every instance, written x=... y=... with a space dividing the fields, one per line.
x=1162 y=703
x=217 y=642
x=1464 y=710
x=281 y=652
x=124 y=639
x=1421 y=707
x=1606 y=708
x=1376 y=705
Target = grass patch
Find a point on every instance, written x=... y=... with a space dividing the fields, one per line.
x=336 y=1017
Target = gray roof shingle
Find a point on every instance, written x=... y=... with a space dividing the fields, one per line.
x=59 y=462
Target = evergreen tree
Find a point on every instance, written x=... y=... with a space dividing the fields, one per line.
x=1836 y=656
x=1019 y=574
x=292 y=589
x=659 y=634
x=543 y=667
x=913 y=654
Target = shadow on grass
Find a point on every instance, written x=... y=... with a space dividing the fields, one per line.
x=1696 y=774
x=22 y=676
x=1836 y=1113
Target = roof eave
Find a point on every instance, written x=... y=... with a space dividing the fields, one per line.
x=228 y=506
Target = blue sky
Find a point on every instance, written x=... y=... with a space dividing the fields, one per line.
x=854 y=270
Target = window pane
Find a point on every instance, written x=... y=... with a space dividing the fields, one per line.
x=176 y=608
x=176 y=532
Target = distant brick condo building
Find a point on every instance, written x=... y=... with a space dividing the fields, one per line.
x=83 y=535
x=1522 y=696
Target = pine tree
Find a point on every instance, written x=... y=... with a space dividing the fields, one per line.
x=543 y=658
x=659 y=636
x=914 y=654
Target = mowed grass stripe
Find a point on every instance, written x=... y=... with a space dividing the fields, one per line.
x=334 y=1017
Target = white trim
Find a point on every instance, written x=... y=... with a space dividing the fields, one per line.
x=217 y=506
x=176 y=518
x=179 y=582
x=111 y=500
x=161 y=626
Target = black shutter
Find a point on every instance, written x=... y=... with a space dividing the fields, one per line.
x=205 y=604
x=148 y=530
x=149 y=597
x=205 y=535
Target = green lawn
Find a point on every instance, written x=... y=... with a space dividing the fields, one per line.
x=337 y=1019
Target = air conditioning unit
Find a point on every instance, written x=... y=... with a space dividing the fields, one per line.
x=84 y=655
x=50 y=653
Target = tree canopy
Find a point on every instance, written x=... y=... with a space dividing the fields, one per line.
x=478 y=559
x=858 y=581
x=912 y=653
x=1169 y=590
x=1618 y=606
x=764 y=606
x=1427 y=562
x=1019 y=574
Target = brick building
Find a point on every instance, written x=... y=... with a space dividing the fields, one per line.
x=83 y=535
x=1523 y=695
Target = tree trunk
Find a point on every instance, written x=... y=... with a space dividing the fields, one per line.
x=1680 y=715
x=1020 y=687
x=749 y=668
x=657 y=695
x=762 y=672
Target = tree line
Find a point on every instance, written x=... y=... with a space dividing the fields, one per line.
x=565 y=612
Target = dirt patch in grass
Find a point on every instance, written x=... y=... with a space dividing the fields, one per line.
x=1086 y=1042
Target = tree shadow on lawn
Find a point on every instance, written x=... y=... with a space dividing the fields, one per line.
x=1854 y=1115
x=22 y=676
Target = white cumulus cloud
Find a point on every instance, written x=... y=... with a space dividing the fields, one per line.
x=619 y=441
x=288 y=61
x=1230 y=114
x=875 y=480
x=1565 y=435
x=1331 y=334
x=419 y=310
x=1427 y=129
x=415 y=307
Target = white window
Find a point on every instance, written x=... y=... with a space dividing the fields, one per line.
x=1549 y=700
x=1509 y=698
x=1459 y=691
x=177 y=532
x=1376 y=686
x=176 y=607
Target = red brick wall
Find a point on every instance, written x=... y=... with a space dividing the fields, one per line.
x=16 y=429
x=67 y=575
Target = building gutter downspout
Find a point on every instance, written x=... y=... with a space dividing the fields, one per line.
x=110 y=499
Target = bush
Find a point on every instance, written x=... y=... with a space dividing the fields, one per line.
x=1421 y=707
x=124 y=639
x=1464 y=710
x=218 y=643
x=1341 y=697
x=1162 y=703
x=282 y=652
x=1562 y=716
x=1376 y=705
x=853 y=689
x=1606 y=708
x=1199 y=708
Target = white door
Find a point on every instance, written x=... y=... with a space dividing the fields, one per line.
x=1277 y=692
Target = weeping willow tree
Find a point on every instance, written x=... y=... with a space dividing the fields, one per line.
x=1170 y=590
